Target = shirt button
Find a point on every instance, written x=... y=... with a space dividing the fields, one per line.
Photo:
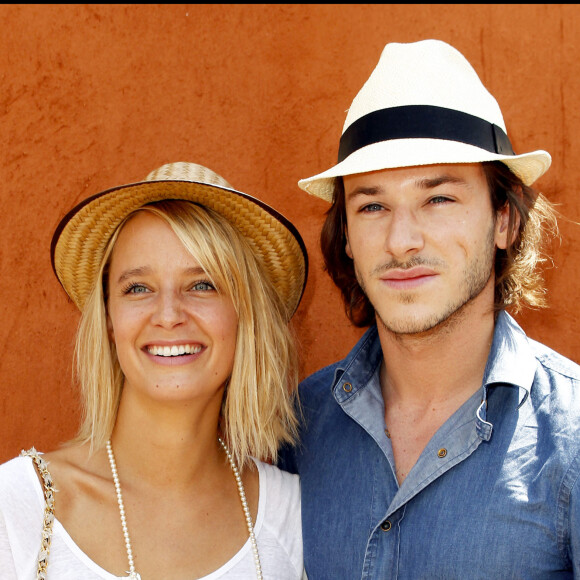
x=347 y=387
x=386 y=526
x=442 y=452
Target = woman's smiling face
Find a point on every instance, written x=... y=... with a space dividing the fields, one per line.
x=175 y=335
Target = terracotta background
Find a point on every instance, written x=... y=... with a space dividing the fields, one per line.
x=95 y=96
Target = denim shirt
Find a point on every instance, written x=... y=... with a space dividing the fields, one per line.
x=494 y=494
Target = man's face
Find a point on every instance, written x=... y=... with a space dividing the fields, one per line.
x=423 y=241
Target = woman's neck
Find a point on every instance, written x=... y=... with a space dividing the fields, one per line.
x=167 y=443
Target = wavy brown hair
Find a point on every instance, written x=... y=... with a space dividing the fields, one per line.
x=518 y=279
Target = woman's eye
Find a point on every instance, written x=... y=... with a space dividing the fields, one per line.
x=202 y=286
x=136 y=289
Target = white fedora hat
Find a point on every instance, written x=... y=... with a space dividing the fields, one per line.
x=423 y=104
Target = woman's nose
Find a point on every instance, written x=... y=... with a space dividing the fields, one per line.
x=169 y=310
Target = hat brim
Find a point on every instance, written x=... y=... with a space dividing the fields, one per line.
x=398 y=153
x=81 y=237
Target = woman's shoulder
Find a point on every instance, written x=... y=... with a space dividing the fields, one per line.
x=279 y=494
x=279 y=525
x=15 y=471
x=278 y=480
x=19 y=478
x=20 y=491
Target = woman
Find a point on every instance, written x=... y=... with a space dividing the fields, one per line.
x=187 y=370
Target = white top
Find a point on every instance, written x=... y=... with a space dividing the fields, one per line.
x=278 y=531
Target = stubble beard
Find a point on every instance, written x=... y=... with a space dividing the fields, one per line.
x=476 y=275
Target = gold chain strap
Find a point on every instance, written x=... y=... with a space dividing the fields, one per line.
x=42 y=468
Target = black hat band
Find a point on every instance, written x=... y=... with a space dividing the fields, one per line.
x=423 y=122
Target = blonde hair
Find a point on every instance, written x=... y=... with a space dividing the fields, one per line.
x=257 y=413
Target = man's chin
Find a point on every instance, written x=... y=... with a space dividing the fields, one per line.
x=418 y=325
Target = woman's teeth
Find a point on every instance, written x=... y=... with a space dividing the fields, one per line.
x=174 y=350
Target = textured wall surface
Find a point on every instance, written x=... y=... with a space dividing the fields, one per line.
x=95 y=96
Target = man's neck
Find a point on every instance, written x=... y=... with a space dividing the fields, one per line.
x=438 y=364
x=426 y=378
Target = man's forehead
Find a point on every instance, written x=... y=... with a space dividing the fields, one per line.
x=420 y=177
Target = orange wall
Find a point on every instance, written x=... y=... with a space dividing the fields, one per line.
x=95 y=96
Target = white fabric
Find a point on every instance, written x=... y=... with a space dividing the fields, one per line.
x=428 y=72
x=278 y=531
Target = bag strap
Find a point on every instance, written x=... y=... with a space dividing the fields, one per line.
x=42 y=469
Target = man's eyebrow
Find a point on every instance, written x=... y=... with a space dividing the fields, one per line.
x=430 y=183
x=361 y=190
x=425 y=183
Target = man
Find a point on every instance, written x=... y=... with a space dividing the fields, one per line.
x=446 y=444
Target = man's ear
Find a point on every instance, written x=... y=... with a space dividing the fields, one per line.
x=347 y=245
x=502 y=227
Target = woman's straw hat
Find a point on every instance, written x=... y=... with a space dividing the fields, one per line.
x=423 y=104
x=81 y=237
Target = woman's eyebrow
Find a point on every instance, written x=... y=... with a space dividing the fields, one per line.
x=146 y=270
x=141 y=271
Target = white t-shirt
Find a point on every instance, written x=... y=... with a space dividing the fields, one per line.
x=278 y=531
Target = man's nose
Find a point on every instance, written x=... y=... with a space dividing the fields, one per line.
x=404 y=235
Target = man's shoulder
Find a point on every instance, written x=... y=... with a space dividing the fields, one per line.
x=553 y=362
x=320 y=382
x=361 y=357
x=520 y=359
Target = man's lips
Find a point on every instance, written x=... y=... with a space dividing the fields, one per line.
x=410 y=278
x=416 y=272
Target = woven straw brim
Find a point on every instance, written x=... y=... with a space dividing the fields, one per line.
x=80 y=240
x=399 y=153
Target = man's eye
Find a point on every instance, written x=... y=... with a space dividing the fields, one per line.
x=373 y=207
x=439 y=199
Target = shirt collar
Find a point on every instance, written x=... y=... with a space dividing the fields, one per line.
x=510 y=362
x=359 y=366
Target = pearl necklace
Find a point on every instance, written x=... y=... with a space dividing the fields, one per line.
x=133 y=575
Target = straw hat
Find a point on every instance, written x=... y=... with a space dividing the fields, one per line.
x=423 y=104
x=80 y=239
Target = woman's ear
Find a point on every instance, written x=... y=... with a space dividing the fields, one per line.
x=110 y=331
